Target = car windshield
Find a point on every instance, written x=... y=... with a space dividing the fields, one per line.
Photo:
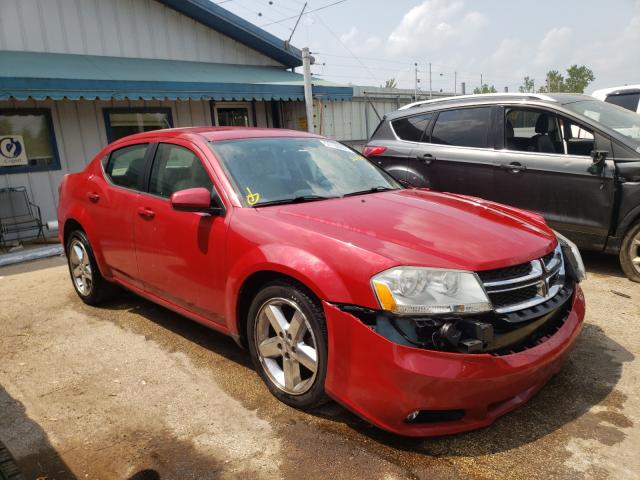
x=617 y=118
x=288 y=169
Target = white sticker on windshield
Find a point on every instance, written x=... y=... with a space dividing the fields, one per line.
x=336 y=145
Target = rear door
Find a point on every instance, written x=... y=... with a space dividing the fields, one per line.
x=395 y=140
x=111 y=203
x=457 y=153
x=180 y=254
x=546 y=167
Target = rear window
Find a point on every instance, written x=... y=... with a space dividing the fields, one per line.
x=411 y=128
x=126 y=166
x=625 y=100
x=465 y=127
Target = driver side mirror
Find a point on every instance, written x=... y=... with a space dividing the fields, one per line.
x=598 y=157
x=197 y=200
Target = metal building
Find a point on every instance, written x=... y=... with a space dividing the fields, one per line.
x=78 y=74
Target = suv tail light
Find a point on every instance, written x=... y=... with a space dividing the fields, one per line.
x=372 y=150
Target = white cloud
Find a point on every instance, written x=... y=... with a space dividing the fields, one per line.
x=358 y=43
x=555 y=47
x=433 y=25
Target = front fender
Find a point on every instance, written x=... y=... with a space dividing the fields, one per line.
x=294 y=262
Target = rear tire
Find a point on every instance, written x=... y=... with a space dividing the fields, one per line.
x=87 y=280
x=630 y=253
x=287 y=337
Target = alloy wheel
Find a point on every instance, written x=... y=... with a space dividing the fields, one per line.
x=80 y=267
x=634 y=252
x=286 y=346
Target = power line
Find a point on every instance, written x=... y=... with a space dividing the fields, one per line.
x=309 y=11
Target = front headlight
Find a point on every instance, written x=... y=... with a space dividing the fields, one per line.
x=573 y=259
x=419 y=290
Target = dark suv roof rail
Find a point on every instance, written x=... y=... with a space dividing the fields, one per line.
x=533 y=96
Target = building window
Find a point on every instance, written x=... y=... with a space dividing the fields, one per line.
x=231 y=114
x=27 y=141
x=121 y=122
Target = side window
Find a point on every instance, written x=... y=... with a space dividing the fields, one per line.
x=625 y=100
x=126 y=166
x=578 y=139
x=411 y=128
x=529 y=130
x=466 y=127
x=176 y=168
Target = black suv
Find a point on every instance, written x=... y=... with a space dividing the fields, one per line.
x=571 y=158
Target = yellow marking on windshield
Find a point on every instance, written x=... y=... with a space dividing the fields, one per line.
x=252 y=198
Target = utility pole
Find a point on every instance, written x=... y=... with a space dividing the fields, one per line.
x=415 y=85
x=455 y=83
x=308 y=93
x=430 y=87
x=481 y=84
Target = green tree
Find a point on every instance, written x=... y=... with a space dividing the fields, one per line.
x=578 y=78
x=485 y=89
x=528 y=85
x=554 y=82
x=391 y=83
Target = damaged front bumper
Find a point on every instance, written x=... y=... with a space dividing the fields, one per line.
x=418 y=392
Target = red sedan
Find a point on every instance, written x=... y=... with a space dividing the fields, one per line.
x=424 y=313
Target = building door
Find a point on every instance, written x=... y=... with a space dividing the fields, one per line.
x=233 y=114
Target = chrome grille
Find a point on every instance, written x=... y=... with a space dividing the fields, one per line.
x=525 y=285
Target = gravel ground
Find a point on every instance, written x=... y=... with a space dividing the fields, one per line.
x=131 y=390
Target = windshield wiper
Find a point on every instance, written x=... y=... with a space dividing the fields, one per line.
x=369 y=190
x=285 y=201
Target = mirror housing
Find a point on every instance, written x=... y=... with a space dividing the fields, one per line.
x=198 y=200
x=599 y=158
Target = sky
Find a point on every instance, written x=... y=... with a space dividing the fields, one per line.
x=366 y=42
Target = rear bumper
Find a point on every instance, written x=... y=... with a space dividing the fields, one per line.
x=383 y=382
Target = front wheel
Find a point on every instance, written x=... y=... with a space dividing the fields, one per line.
x=287 y=338
x=630 y=253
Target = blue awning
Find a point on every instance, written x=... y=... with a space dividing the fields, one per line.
x=65 y=76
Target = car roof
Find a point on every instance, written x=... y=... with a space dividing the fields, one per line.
x=602 y=93
x=488 y=99
x=212 y=134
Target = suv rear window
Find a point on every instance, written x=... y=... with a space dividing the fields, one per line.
x=625 y=100
x=465 y=127
x=411 y=128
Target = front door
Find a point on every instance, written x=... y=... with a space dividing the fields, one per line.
x=546 y=167
x=458 y=154
x=180 y=254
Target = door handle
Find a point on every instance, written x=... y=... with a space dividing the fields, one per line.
x=514 y=167
x=93 y=197
x=426 y=158
x=145 y=212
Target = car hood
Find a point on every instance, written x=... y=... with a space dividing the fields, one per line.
x=424 y=228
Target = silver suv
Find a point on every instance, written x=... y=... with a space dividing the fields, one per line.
x=569 y=157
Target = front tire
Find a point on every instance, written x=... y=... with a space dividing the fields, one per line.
x=630 y=253
x=287 y=337
x=87 y=281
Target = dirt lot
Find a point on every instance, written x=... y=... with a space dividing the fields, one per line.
x=133 y=390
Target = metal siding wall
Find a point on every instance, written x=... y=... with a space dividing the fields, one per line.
x=129 y=28
x=80 y=134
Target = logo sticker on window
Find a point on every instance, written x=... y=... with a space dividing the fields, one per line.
x=12 y=151
x=252 y=198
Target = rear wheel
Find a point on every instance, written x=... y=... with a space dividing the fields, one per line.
x=89 y=284
x=287 y=339
x=630 y=253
